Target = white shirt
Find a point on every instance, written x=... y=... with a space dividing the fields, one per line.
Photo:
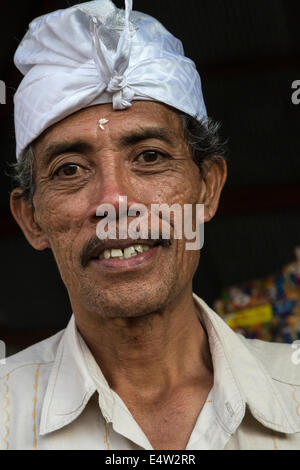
x=53 y=395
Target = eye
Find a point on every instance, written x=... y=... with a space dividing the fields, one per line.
x=69 y=169
x=151 y=156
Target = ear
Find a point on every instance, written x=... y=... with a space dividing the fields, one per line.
x=214 y=175
x=24 y=214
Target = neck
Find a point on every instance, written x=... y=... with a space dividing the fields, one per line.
x=152 y=354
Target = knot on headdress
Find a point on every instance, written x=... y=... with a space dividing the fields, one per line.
x=111 y=70
x=122 y=94
x=116 y=83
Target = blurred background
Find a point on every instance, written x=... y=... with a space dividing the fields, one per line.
x=248 y=55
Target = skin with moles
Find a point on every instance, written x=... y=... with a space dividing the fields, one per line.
x=140 y=323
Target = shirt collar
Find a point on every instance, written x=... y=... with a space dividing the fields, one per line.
x=74 y=378
x=252 y=379
x=71 y=383
x=226 y=395
x=69 y=386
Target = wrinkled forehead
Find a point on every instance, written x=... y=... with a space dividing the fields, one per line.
x=85 y=124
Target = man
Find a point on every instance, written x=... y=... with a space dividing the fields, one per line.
x=111 y=109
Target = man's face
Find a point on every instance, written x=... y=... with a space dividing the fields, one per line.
x=141 y=154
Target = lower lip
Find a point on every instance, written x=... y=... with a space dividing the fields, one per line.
x=128 y=263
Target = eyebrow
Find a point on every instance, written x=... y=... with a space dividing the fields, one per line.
x=82 y=146
x=58 y=148
x=160 y=133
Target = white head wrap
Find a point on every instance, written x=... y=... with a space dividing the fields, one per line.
x=95 y=53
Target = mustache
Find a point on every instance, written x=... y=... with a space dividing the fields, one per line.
x=95 y=243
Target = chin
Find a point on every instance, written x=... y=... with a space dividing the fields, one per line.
x=124 y=302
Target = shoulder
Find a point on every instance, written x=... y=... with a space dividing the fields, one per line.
x=42 y=353
x=281 y=360
x=24 y=379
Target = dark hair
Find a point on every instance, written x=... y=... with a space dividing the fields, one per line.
x=203 y=139
x=22 y=174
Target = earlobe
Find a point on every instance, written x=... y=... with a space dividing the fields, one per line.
x=214 y=175
x=24 y=214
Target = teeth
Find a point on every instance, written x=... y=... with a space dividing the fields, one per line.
x=116 y=253
x=128 y=252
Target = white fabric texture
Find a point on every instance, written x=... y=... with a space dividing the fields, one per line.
x=53 y=396
x=95 y=53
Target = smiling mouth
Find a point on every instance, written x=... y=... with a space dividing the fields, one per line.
x=133 y=257
x=118 y=252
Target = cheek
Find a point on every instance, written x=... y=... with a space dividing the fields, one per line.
x=178 y=188
x=188 y=260
x=61 y=219
x=185 y=192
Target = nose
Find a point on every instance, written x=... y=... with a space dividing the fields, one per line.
x=114 y=186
